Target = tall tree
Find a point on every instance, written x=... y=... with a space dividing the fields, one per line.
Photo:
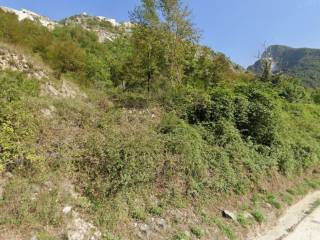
x=162 y=38
x=177 y=23
x=147 y=42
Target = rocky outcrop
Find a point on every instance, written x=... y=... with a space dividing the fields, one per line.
x=105 y=28
x=79 y=229
x=27 y=14
x=10 y=60
x=301 y=63
x=65 y=89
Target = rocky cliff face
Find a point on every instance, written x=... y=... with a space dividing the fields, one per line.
x=27 y=14
x=105 y=28
x=303 y=63
x=14 y=61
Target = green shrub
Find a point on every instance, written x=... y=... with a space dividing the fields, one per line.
x=258 y=216
x=180 y=236
x=198 y=232
x=271 y=199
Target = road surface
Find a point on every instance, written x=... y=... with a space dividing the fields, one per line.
x=297 y=223
x=308 y=229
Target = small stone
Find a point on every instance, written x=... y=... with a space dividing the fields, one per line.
x=248 y=215
x=268 y=205
x=34 y=238
x=228 y=214
x=161 y=223
x=67 y=209
x=144 y=228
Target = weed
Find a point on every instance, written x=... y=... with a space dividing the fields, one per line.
x=224 y=228
x=196 y=231
x=271 y=199
x=258 y=216
x=180 y=236
x=138 y=214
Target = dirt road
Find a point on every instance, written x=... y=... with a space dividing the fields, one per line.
x=297 y=223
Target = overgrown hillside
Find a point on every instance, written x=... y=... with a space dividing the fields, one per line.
x=148 y=136
x=302 y=63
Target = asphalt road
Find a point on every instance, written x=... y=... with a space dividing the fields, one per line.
x=297 y=223
x=308 y=229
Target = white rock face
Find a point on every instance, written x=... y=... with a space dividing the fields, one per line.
x=102 y=34
x=79 y=229
x=65 y=90
x=26 y=14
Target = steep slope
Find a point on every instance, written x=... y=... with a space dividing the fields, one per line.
x=303 y=63
x=27 y=14
x=105 y=28
x=205 y=158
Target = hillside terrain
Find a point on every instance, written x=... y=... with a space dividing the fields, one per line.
x=303 y=63
x=145 y=135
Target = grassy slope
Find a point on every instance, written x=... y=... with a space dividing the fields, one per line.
x=180 y=156
x=138 y=163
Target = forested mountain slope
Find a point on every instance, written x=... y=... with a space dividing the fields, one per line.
x=303 y=63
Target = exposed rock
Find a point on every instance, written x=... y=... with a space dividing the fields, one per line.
x=48 y=112
x=161 y=223
x=229 y=215
x=248 y=215
x=9 y=60
x=105 y=28
x=27 y=14
x=67 y=209
x=144 y=228
x=65 y=90
x=79 y=229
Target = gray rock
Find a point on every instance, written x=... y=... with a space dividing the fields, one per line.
x=79 y=229
x=67 y=209
x=144 y=228
x=161 y=223
x=248 y=215
x=229 y=215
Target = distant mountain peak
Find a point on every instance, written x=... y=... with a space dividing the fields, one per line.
x=303 y=63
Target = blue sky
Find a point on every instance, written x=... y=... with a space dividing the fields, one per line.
x=237 y=28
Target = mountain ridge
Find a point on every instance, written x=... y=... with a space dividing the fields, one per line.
x=104 y=27
x=302 y=63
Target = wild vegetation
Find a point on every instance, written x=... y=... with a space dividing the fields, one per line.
x=165 y=118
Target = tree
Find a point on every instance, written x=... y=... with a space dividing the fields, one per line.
x=147 y=42
x=66 y=56
x=181 y=31
x=161 y=39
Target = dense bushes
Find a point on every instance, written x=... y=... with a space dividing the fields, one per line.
x=17 y=124
x=66 y=49
x=249 y=109
x=211 y=132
